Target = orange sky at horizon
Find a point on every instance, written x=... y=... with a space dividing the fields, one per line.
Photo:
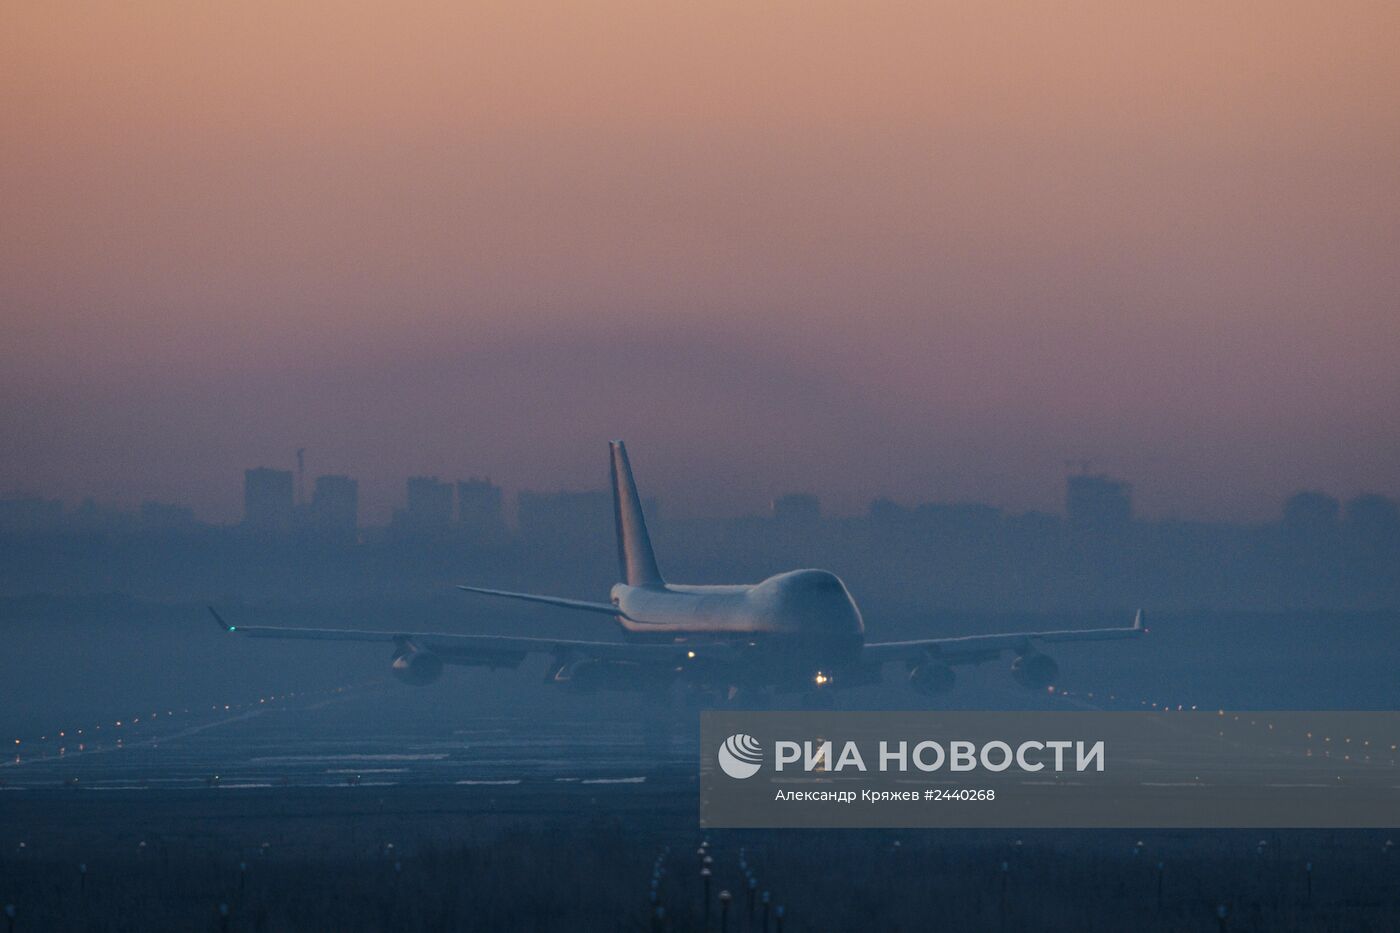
x=981 y=238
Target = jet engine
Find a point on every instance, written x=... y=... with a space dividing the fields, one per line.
x=1035 y=671
x=932 y=678
x=415 y=666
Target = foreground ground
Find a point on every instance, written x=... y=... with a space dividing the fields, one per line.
x=582 y=856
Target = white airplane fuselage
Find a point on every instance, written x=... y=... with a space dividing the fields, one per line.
x=812 y=608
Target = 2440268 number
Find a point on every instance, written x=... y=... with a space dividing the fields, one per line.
x=940 y=794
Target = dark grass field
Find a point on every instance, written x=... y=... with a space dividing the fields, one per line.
x=576 y=856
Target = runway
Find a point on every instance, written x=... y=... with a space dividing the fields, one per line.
x=316 y=810
x=366 y=736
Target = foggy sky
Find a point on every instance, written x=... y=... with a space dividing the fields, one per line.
x=915 y=250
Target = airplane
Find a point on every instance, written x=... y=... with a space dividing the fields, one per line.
x=798 y=632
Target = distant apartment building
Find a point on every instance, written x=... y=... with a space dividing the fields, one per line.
x=268 y=499
x=429 y=508
x=1096 y=503
x=479 y=508
x=335 y=506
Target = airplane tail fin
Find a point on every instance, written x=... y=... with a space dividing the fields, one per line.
x=634 y=553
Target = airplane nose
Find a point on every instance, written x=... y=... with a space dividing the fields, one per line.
x=820 y=604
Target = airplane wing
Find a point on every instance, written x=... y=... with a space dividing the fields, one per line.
x=974 y=649
x=487 y=650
